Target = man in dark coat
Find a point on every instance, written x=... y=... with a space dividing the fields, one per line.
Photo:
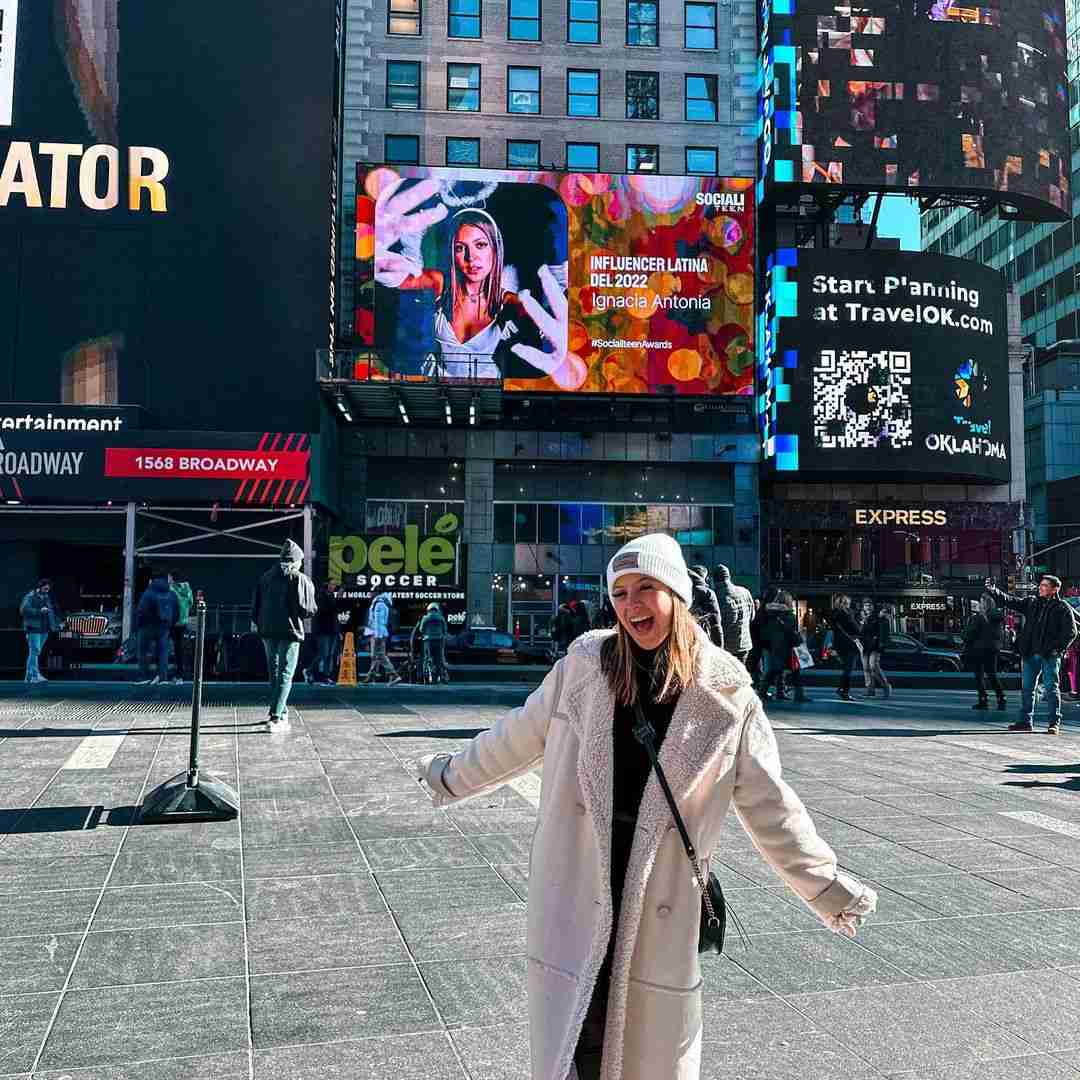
x=845 y=642
x=874 y=636
x=779 y=637
x=1048 y=630
x=284 y=598
x=562 y=629
x=736 y=614
x=984 y=638
x=580 y=623
x=325 y=630
x=156 y=615
x=705 y=607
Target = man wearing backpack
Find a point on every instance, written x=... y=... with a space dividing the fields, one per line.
x=155 y=617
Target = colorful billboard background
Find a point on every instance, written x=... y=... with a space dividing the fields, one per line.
x=548 y=281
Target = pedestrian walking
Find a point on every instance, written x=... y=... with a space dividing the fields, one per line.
x=874 y=636
x=1070 y=664
x=753 y=661
x=704 y=606
x=433 y=636
x=1049 y=629
x=39 y=620
x=181 y=589
x=284 y=598
x=580 y=623
x=562 y=629
x=614 y=910
x=984 y=638
x=780 y=636
x=736 y=614
x=155 y=618
x=845 y=642
x=378 y=630
x=324 y=629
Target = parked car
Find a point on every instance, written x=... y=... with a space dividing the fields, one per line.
x=948 y=642
x=905 y=653
x=90 y=635
x=480 y=645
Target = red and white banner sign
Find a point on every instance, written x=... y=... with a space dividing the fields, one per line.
x=194 y=464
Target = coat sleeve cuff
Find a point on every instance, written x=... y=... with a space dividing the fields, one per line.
x=844 y=894
x=431 y=770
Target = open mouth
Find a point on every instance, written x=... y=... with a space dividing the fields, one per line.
x=643 y=624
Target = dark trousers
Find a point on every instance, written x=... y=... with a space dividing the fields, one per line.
x=177 y=635
x=775 y=670
x=985 y=665
x=154 y=645
x=848 y=666
x=588 y=1056
x=435 y=653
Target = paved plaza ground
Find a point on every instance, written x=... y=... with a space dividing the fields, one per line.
x=342 y=929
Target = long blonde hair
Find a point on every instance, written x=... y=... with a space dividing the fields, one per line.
x=492 y=290
x=676 y=658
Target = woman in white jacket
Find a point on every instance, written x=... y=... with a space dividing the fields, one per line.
x=614 y=911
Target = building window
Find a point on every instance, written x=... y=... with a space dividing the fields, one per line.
x=642 y=158
x=701 y=98
x=642 y=95
x=402 y=84
x=583 y=156
x=463 y=19
x=401 y=149
x=522 y=154
x=582 y=93
x=461 y=151
x=642 y=18
x=583 y=22
x=524 y=20
x=702 y=161
x=523 y=90
x=403 y=17
x=700 y=27
x=463 y=87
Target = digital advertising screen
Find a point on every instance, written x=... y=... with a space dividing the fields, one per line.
x=546 y=281
x=924 y=96
x=165 y=204
x=882 y=360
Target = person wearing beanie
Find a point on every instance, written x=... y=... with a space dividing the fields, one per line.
x=614 y=908
x=736 y=613
x=284 y=597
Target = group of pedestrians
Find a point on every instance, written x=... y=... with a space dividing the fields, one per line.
x=570 y=622
x=161 y=622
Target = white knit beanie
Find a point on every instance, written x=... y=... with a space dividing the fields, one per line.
x=657 y=555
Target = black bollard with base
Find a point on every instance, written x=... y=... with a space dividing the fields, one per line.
x=189 y=796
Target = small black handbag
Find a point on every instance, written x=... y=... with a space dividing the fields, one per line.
x=713 y=904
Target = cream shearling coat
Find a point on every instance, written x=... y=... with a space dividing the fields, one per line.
x=719 y=750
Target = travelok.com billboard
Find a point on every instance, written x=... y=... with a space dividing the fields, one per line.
x=556 y=281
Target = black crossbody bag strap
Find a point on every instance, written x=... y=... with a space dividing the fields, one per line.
x=644 y=733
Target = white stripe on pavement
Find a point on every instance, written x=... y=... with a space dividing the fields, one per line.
x=1066 y=828
x=998 y=750
x=95 y=752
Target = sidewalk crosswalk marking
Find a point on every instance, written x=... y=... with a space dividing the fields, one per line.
x=997 y=750
x=1044 y=821
x=95 y=752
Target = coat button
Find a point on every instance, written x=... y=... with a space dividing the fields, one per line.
x=663 y=911
x=579 y=809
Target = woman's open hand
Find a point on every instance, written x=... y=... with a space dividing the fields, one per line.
x=553 y=324
x=397 y=225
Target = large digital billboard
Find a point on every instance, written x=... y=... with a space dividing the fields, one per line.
x=882 y=360
x=556 y=281
x=922 y=95
x=164 y=206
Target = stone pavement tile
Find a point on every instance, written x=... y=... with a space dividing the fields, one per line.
x=902 y=1028
x=516 y=876
x=389 y=777
x=341 y=743
x=1052 y=887
x=19 y=787
x=744 y=1022
x=472 y=820
x=813 y=961
x=303 y=860
x=200 y=1067
x=503 y=848
x=767 y=911
x=418 y=852
x=991 y=825
x=114 y=1025
x=268 y=822
x=378 y=825
x=841 y=835
x=421 y=1056
x=927 y=803
x=45 y=874
x=1040 y=1007
x=975 y=854
x=902 y=830
x=438 y=935
x=473 y=890
x=477 y=992
x=311 y=787
x=30 y=965
x=888 y=860
x=809 y=1056
x=948 y=948
x=208 y=835
x=961 y=894
x=1028 y=1067
x=159 y=866
x=137 y=907
x=894 y=906
x=1070 y=1059
x=24 y=1019
x=313 y=943
x=500 y=1052
x=1060 y=850
x=47 y=913
x=852 y=808
x=1054 y=936
x=279 y=770
x=349 y=1003
x=106 y=787
x=126 y=957
x=327 y=894
x=724 y=980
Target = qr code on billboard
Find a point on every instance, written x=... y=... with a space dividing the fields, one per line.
x=862 y=399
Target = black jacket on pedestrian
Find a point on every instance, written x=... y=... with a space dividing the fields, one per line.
x=845 y=632
x=875 y=633
x=1049 y=626
x=705 y=607
x=985 y=633
x=562 y=627
x=158 y=607
x=736 y=612
x=580 y=623
x=284 y=598
x=779 y=634
x=326 y=618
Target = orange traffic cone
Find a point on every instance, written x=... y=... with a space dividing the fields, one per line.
x=347 y=670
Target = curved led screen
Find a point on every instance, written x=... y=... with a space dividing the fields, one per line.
x=884 y=361
x=923 y=96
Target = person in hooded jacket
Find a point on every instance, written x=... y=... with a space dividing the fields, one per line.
x=156 y=615
x=378 y=631
x=325 y=629
x=705 y=607
x=779 y=636
x=614 y=979
x=562 y=629
x=736 y=614
x=432 y=629
x=874 y=636
x=984 y=638
x=284 y=597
